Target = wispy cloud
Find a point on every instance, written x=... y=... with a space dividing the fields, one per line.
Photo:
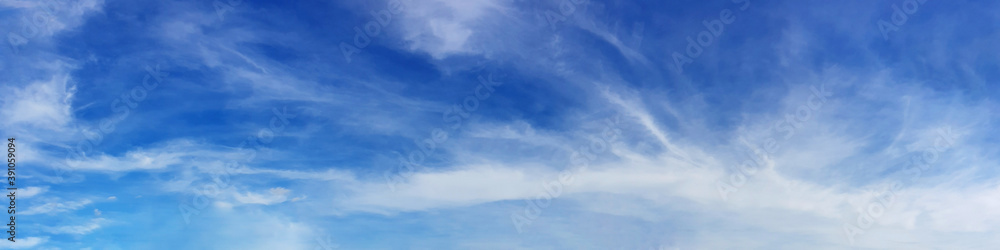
x=805 y=112
x=56 y=207
x=87 y=228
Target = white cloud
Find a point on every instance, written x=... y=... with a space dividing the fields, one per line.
x=84 y=229
x=26 y=192
x=254 y=230
x=19 y=3
x=458 y=187
x=444 y=27
x=44 y=104
x=273 y=196
x=132 y=161
x=61 y=15
x=168 y=154
x=56 y=207
x=794 y=183
x=25 y=243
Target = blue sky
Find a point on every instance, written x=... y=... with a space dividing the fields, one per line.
x=502 y=124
